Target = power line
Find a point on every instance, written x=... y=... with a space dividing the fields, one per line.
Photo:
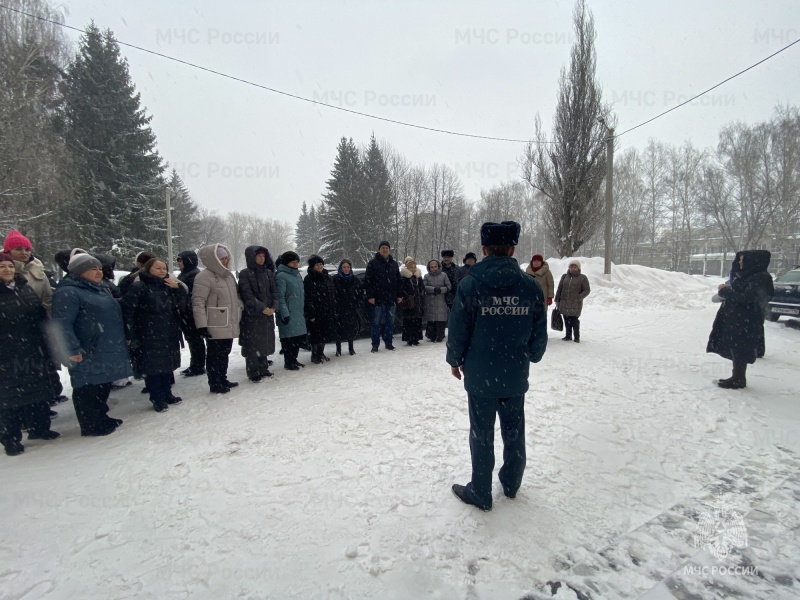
x=385 y=119
x=276 y=91
x=709 y=89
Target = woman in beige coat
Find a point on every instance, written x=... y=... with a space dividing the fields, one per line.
x=217 y=309
x=540 y=271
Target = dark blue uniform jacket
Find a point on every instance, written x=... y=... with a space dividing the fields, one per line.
x=497 y=327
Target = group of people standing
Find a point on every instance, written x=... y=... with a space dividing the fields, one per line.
x=106 y=332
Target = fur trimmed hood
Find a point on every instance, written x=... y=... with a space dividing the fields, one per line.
x=404 y=272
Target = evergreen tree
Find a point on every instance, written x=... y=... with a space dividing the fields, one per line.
x=378 y=202
x=302 y=233
x=120 y=183
x=314 y=238
x=185 y=215
x=341 y=213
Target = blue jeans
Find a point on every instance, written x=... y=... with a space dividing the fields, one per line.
x=482 y=413
x=379 y=314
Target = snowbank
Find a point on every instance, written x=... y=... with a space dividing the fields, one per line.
x=638 y=287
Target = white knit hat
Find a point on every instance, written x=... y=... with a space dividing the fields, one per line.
x=575 y=262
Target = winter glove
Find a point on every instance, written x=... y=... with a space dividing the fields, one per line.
x=437 y=291
x=443 y=290
x=285 y=320
x=549 y=301
x=203 y=332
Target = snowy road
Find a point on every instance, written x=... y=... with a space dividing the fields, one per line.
x=334 y=482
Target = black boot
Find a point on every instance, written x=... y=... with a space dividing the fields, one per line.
x=738 y=380
x=350 y=347
x=321 y=352
x=577 y=330
x=338 y=348
x=315 y=354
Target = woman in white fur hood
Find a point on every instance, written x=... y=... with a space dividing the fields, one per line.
x=413 y=302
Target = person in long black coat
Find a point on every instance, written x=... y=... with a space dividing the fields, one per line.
x=413 y=302
x=150 y=311
x=260 y=297
x=320 y=307
x=349 y=293
x=738 y=327
x=187 y=263
x=25 y=389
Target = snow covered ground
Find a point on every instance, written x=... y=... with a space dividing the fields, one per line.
x=334 y=482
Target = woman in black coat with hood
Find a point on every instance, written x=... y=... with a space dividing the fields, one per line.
x=348 y=301
x=320 y=307
x=150 y=312
x=187 y=263
x=739 y=325
x=260 y=297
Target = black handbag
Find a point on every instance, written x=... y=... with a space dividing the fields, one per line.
x=556 y=320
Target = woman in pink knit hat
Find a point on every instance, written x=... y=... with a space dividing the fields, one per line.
x=32 y=269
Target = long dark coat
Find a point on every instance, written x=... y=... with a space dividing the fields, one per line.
x=739 y=325
x=413 y=293
x=186 y=276
x=349 y=296
x=150 y=310
x=320 y=306
x=258 y=290
x=24 y=356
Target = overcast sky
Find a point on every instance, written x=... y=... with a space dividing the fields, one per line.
x=474 y=67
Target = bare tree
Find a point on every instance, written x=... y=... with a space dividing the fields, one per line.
x=738 y=191
x=37 y=180
x=653 y=182
x=236 y=225
x=785 y=154
x=631 y=207
x=569 y=168
x=210 y=228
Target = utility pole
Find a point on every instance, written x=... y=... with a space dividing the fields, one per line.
x=609 y=193
x=167 y=197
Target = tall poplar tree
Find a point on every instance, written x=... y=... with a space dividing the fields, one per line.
x=569 y=167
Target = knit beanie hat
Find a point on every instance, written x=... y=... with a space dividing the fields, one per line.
x=221 y=252
x=538 y=257
x=470 y=255
x=408 y=259
x=384 y=243
x=6 y=257
x=15 y=239
x=288 y=257
x=80 y=263
x=315 y=260
x=575 y=262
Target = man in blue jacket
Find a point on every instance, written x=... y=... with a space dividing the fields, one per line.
x=383 y=285
x=497 y=327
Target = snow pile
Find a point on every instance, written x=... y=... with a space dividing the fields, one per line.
x=638 y=287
